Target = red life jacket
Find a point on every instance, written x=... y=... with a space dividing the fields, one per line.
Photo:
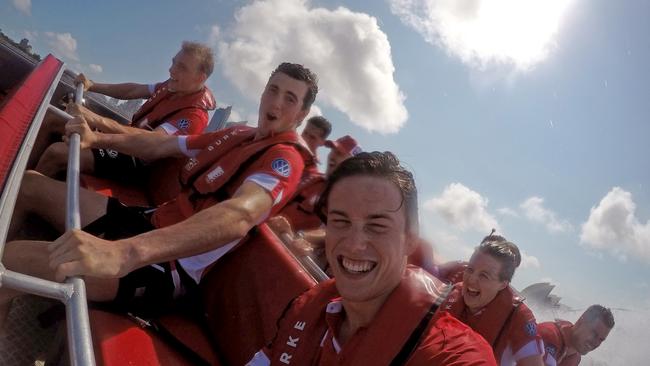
x=153 y=112
x=300 y=211
x=495 y=318
x=304 y=326
x=215 y=166
x=556 y=335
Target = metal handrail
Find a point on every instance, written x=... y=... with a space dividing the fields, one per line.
x=79 y=336
x=306 y=261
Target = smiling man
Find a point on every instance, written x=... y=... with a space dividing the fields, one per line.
x=233 y=180
x=377 y=311
x=565 y=343
x=177 y=106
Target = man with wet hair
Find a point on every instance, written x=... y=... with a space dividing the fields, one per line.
x=376 y=310
x=177 y=106
x=232 y=180
x=565 y=343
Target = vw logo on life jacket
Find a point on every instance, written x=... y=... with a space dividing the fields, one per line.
x=531 y=329
x=183 y=124
x=282 y=167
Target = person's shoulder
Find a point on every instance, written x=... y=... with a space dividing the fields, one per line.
x=288 y=152
x=448 y=341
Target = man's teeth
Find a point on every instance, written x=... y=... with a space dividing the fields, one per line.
x=357 y=266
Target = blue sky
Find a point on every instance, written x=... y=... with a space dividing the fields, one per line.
x=528 y=116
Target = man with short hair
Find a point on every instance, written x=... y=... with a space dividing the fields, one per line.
x=316 y=131
x=565 y=343
x=178 y=106
x=233 y=180
x=376 y=310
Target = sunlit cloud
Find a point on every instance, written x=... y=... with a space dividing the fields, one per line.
x=463 y=208
x=347 y=49
x=507 y=211
x=520 y=33
x=95 y=68
x=533 y=208
x=62 y=45
x=529 y=261
x=613 y=227
x=24 y=6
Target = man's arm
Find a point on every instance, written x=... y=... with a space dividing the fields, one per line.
x=147 y=145
x=104 y=124
x=119 y=91
x=79 y=253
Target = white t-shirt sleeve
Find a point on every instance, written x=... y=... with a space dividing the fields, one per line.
x=182 y=145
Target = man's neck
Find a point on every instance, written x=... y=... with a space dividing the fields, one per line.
x=359 y=315
x=178 y=94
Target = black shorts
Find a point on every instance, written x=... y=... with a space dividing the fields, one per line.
x=113 y=165
x=149 y=290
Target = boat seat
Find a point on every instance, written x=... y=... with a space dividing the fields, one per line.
x=160 y=186
x=244 y=294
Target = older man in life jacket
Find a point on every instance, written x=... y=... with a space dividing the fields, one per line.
x=233 y=180
x=565 y=343
x=376 y=310
x=177 y=106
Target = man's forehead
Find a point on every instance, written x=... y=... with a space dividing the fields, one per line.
x=287 y=82
x=370 y=194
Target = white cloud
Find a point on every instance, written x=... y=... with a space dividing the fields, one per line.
x=346 y=49
x=24 y=6
x=507 y=211
x=520 y=33
x=529 y=261
x=62 y=45
x=463 y=208
x=533 y=208
x=613 y=226
x=235 y=116
x=95 y=68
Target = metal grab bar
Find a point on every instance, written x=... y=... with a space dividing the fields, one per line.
x=306 y=261
x=79 y=336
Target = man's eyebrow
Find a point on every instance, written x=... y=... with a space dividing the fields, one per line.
x=380 y=216
x=292 y=94
x=337 y=212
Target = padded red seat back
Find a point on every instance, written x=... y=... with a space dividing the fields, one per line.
x=247 y=291
x=18 y=112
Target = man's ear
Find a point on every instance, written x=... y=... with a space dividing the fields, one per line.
x=503 y=285
x=412 y=243
x=301 y=115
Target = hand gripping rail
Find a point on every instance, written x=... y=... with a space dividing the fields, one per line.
x=33 y=100
x=306 y=261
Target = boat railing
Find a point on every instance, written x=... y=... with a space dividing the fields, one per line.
x=72 y=293
x=305 y=260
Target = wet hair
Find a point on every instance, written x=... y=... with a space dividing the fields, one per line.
x=382 y=165
x=299 y=72
x=322 y=124
x=503 y=251
x=598 y=312
x=203 y=54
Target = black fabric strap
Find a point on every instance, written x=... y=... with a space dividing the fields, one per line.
x=415 y=338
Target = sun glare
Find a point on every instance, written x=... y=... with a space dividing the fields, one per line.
x=517 y=31
x=485 y=32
